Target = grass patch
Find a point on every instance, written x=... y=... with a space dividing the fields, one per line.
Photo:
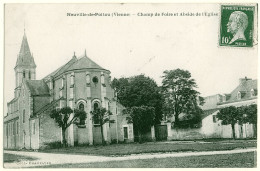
x=135 y=148
x=10 y=158
x=241 y=160
x=227 y=139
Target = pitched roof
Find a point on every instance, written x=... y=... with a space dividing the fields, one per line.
x=46 y=107
x=84 y=63
x=37 y=87
x=25 y=57
x=62 y=69
x=65 y=67
x=244 y=87
x=75 y=64
x=53 y=73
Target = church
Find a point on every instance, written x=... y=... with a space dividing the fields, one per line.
x=80 y=84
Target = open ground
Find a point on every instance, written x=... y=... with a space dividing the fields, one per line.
x=227 y=153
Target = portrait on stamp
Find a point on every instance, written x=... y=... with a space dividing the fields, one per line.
x=236 y=26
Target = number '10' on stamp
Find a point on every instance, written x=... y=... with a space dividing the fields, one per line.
x=236 y=26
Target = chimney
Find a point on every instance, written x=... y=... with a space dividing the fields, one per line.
x=242 y=80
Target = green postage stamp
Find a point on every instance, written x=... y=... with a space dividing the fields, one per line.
x=236 y=26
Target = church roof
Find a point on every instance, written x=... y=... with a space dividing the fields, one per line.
x=25 y=57
x=63 y=68
x=37 y=87
x=48 y=106
x=75 y=64
x=84 y=63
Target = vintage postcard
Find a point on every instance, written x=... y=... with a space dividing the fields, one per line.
x=153 y=85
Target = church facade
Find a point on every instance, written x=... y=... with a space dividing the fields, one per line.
x=80 y=84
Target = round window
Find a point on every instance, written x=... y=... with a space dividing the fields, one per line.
x=95 y=80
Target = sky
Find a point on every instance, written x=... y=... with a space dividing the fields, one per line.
x=127 y=45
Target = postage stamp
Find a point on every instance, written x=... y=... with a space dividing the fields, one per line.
x=236 y=26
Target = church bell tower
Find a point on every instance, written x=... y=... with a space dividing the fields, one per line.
x=25 y=66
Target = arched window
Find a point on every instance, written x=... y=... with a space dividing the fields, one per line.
x=88 y=78
x=81 y=107
x=62 y=82
x=72 y=79
x=96 y=105
x=81 y=118
x=23 y=74
x=96 y=118
x=102 y=78
x=29 y=75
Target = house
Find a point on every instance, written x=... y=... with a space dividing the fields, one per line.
x=244 y=94
x=80 y=84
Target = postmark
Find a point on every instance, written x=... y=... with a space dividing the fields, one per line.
x=236 y=26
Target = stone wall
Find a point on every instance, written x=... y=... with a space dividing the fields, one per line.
x=223 y=131
x=34 y=133
x=83 y=136
x=10 y=134
x=49 y=130
x=97 y=138
x=25 y=111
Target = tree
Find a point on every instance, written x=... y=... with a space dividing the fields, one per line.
x=121 y=87
x=229 y=115
x=248 y=114
x=61 y=116
x=241 y=115
x=139 y=91
x=101 y=116
x=142 y=118
x=180 y=96
x=192 y=119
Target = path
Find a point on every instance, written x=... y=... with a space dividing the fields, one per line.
x=50 y=158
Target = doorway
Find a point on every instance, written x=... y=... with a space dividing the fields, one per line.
x=125 y=133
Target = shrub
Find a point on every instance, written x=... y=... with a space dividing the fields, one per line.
x=53 y=145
